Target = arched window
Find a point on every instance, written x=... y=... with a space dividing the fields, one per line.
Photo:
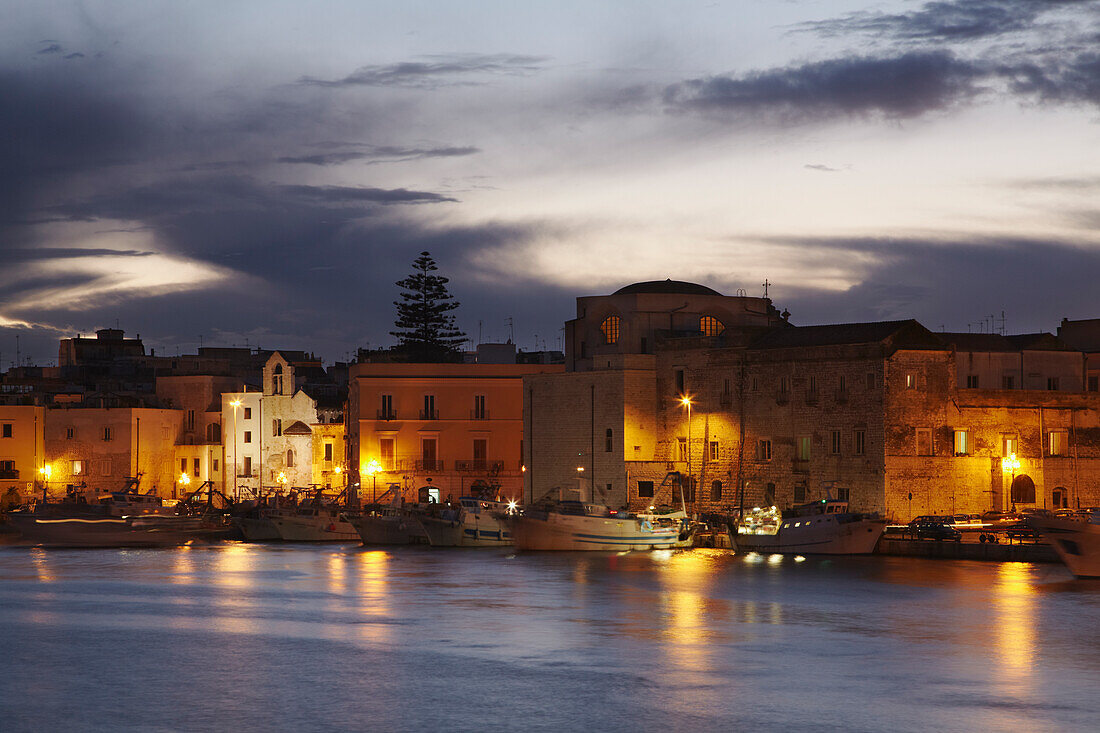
x=277 y=379
x=610 y=329
x=716 y=491
x=711 y=326
x=290 y=459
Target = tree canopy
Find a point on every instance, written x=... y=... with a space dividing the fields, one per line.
x=425 y=326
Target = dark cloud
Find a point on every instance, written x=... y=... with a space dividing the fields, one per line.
x=821 y=167
x=958 y=21
x=899 y=87
x=52 y=48
x=380 y=154
x=27 y=254
x=435 y=71
x=1071 y=80
x=75 y=55
x=952 y=282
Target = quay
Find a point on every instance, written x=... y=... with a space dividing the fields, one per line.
x=1000 y=552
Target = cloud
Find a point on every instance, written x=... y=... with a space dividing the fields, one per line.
x=820 y=167
x=75 y=55
x=958 y=21
x=1072 y=80
x=436 y=71
x=904 y=86
x=52 y=48
x=380 y=154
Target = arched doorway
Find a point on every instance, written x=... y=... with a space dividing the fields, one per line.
x=1023 y=490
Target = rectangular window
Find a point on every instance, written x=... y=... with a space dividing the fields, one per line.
x=276 y=427
x=1052 y=384
x=861 y=442
x=813 y=385
x=962 y=442
x=1058 y=442
x=1010 y=445
x=78 y=468
x=70 y=433
x=248 y=436
x=105 y=467
x=764 y=450
x=1094 y=384
x=800 y=492
x=248 y=413
x=427 y=453
x=682 y=445
x=924 y=441
x=190 y=419
x=755 y=384
x=784 y=384
x=803 y=444
x=328 y=452
x=386 y=453
x=428 y=413
x=713 y=455
x=971 y=381
x=680 y=384
x=481 y=452
x=107 y=433
x=479 y=407
x=910 y=381
x=645 y=489
x=215 y=465
x=843 y=494
x=1008 y=382
x=386 y=412
x=247 y=466
x=645 y=345
x=725 y=386
x=836 y=443
x=6 y=430
x=608 y=441
x=183 y=465
x=841 y=384
x=194 y=466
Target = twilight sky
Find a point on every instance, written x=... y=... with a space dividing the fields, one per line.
x=263 y=171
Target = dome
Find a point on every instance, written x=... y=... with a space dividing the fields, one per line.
x=673 y=287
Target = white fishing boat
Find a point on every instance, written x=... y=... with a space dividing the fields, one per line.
x=574 y=525
x=472 y=523
x=1076 y=539
x=823 y=527
x=314 y=524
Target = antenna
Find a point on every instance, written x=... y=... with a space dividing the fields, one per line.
x=479 y=331
x=511 y=329
x=766 y=284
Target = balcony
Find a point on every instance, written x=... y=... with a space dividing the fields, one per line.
x=387 y=414
x=479 y=414
x=479 y=465
x=429 y=414
x=433 y=466
x=9 y=473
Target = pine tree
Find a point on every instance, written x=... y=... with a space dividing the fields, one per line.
x=425 y=325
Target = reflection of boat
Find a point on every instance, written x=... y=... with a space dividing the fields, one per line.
x=1076 y=540
x=389 y=525
x=314 y=524
x=573 y=525
x=473 y=523
x=823 y=527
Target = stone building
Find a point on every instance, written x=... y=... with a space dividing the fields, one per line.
x=888 y=415
x=22 y=450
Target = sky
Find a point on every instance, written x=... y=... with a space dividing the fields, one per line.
x=262 y=172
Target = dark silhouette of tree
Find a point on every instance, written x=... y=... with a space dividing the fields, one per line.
x=425 y=325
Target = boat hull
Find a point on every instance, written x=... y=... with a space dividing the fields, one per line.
x=314 y=529
x=825 y=536
x=256 y=529
x=572 y=533
x=1077 y=543
x=389 y=530
x=470 y=531
x=141 y=531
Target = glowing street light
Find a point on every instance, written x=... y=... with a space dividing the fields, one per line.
x=373 y=467
x=685 y=401
x=184 y=480
x=1011 y=464
x=236 y=490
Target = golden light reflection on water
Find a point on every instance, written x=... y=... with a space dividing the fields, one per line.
x=232 y=566
x=372 y=572
x=41 y=561
x=1014 y=604
x=337 y=573
x=183 y=566
x=686 y=577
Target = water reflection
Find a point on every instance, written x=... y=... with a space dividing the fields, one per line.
x=41 y=560
x=372 y=573
x=183 y=566
x=1014 y=604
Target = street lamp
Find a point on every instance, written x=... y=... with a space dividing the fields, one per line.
x=373 y=467
x=685 y=401
x=46 y=470
x=1012 y=464
x=236 y=490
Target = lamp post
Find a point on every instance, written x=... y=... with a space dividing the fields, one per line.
x=184 y=481
x=373 y=467
x=686 y=402
x=236 y=490
x=46 y=470
x=1012 y=464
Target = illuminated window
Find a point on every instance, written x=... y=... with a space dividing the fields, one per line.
x=78 y=468
x=1010 y=444
x=910 y=381
x=682 y=444
x=1057 y=442
x=713 y=450
x=962 y=442
x=764 y=450
x=803 y=445
x=610 y=329
x=711 y=326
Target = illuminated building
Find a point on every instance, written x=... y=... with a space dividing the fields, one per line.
x=22 y=450
x=888 y=415
x=441 y=427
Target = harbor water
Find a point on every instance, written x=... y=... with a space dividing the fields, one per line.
x=274 y=637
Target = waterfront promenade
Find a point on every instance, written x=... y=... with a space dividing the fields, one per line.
x=279 y=637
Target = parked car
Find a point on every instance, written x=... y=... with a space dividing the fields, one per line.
x=934 y=528
x=1001 y=520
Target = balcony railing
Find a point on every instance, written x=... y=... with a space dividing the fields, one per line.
x=429 y=414
x=429 y=465
x=9 y=473
x=479 y=465
x=387 y=414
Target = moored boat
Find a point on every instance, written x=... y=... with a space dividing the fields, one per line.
x=823 y=527
x=472 y=522
x=389 y=525
x=574 y=525
x=314 y=524
x=1076 y=539
x=82 y=528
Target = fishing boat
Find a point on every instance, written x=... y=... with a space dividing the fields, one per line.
x=575 y=525
x=314 y=524
x=389 y=525
x=824 y=527
x=473 y=522
x=1076 y=539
